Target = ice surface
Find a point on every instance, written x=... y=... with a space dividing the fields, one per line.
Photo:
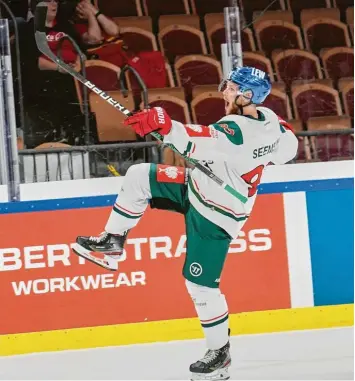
x=300 y=355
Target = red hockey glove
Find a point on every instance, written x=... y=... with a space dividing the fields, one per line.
x=147 y=121
x=286 y=124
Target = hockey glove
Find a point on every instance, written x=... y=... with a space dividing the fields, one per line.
x=147 y=121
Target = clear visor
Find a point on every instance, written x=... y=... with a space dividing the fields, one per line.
x=222 y=86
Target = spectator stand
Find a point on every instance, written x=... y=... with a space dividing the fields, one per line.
x=309 y=70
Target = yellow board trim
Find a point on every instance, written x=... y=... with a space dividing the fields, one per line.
x=182 y=329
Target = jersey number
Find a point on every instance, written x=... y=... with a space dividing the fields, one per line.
x=253 y=179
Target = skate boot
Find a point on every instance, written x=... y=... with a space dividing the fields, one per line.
x=213 y=366
x=104 y=250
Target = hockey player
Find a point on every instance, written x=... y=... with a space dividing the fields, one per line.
x=237 y=148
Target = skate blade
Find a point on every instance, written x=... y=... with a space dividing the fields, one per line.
x=106 y=261
x=219 y=374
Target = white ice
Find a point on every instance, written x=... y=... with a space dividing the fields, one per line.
x=326 y=354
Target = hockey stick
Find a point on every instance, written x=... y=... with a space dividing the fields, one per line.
x=42 y=44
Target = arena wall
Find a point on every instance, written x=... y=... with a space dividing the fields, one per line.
x=291 y=268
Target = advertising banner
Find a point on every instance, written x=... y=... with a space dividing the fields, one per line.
x=331 y=232
x=44 y=286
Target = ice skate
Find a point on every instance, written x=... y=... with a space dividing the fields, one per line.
x=104 y=250
x=213 y=366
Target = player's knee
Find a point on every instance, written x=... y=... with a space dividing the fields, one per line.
x=200 y=293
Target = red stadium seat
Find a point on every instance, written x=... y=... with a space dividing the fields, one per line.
x=329 y=147
x=278 y=101
x=338 y=62
x=155 y=8
x=109 y=121
x=105 y=75
x=346 y=88
x=304 y=151
x=207 y=105
x=138 y=40
x=195 y=70
x=279 y=15
x=188 y=20
x=319 y=13
x=294 y=64
x=343 y=5
x=201 y=7
x=141 y=22
x=259 y=61
x=313 y=99
x=119 y=8
x=350 y=16
x=248 y=43
x=350 y=20
x=179 y=40
x=216 y=34
x=172 y=100
x=298 y=5
x=249 y=7
x=325 y=33
x=276 y=34
x=133 y=84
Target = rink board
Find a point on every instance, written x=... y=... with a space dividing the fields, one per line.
x=291 y=268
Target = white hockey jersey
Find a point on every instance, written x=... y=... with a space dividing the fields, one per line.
x=237 y=149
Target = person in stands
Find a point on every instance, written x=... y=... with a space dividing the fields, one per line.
x=51 y=104
x=92 y=24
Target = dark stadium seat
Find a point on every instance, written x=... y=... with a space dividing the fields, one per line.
x=313 y=99
x=189 y=20
x=329 y=147
x=325 y=33
x=201 y=7
x=109 y=122
x=195 y=70
x=346 y=88
x=138 y=40
x=119 y=8
x=320 y=13
x=259 y=61
x=207 y=105
x=276 y=34
x=338 y=62
x=298 y=5
x=249 y=7
x=173 y=101
x=279 y=101
x=304 y=151
x=104 y=74
x=179 y=40
x=155 y=8
x=294 y=64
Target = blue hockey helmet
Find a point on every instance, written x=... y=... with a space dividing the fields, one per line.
x=250 y=79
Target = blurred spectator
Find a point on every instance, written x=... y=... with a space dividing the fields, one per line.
x=52 y=109
x=51 y=105
x=93 y=26
x=55 y=31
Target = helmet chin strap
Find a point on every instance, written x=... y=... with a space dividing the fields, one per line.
x=240 y=107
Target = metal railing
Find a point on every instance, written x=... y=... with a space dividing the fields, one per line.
x=82 y=162
x=326 y=145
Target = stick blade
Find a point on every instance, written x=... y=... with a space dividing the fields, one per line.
x=40 y=30
x=40 y=17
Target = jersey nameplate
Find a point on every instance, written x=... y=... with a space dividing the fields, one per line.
x=265 y=150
